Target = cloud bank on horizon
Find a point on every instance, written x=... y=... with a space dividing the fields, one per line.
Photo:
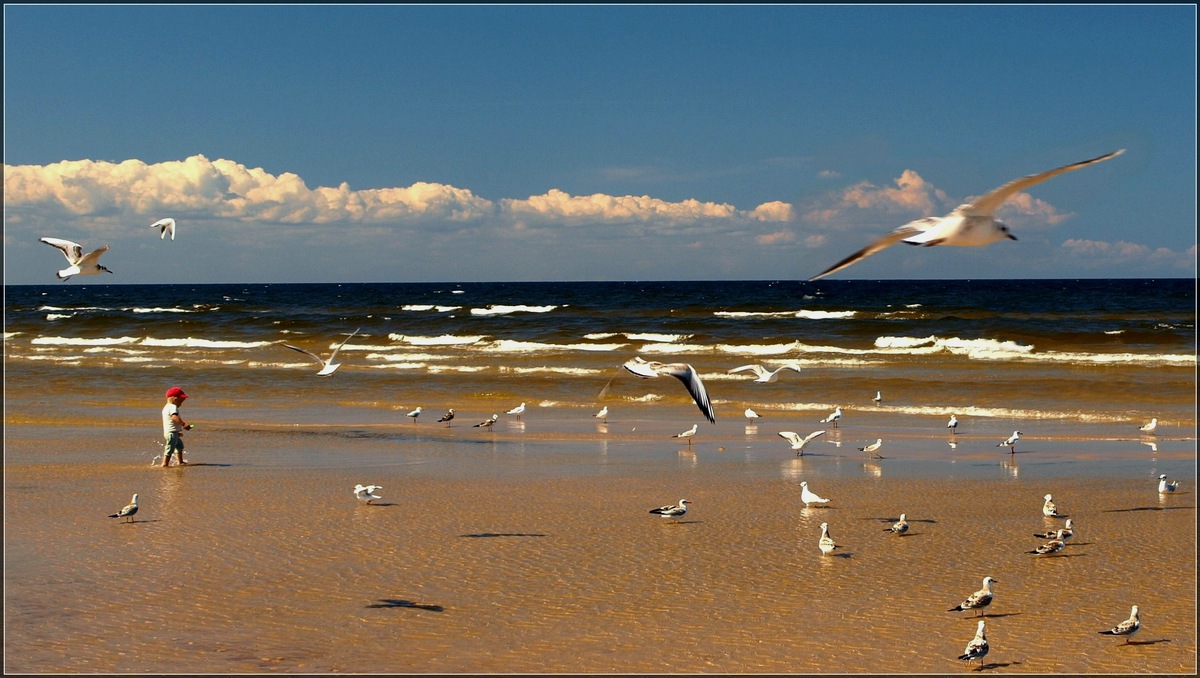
x=99 y=198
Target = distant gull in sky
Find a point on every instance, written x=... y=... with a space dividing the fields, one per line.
x=673 y=511
x=1128 y=627
x=1049 y=509
x=165 y=226
x=688 y=433
x=1011 y=442
x=1149 y=428
x=809 y=497
x=977 y=648
x=79 y=264
x=685 y=373
x=449 y=415
x=762 y=374
x=978 y=600
x=1051 y=547
x=602 y=414
x=873 y=448
x=952 y=424
x=833 y=416
x=752 y=416
x=1164 y=487
x=797 y=442
x=899 y=527
x=128 y=511
x=517 y=411
x=414 y=414
x=826 y=544
x=328 y=367
x=366 y=493
x=971 y=224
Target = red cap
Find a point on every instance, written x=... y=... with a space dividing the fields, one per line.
x=175 y=391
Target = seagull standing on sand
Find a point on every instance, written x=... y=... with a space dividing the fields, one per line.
x=878 y=397
x=1011 y=442
x=488 y=423
x=79 y=264
x=978 y=600
x=1149 y=428
x=826 y=544
x=971 y=224
x=165 y=226
x=952 y=424
x=366 y=493
x=449 y=415
x=518 y=411
x=833 y=417
x=414 y=414
x=752 y=416
x=762 y=374
x=648 y=369
x=1164 y=487
x=328 y=367
x=1051 y=547
x=809 y=497
x=899 y=527
x=1049 y=509
x=688 y=433
x=602 y=414
x=674 y=511
x=797 y=442
x=128 y=511
x=978 y=647
x=873 y=448
x=1128 y=627
x=1064 y=534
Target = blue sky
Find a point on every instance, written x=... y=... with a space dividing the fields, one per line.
x=464 y=143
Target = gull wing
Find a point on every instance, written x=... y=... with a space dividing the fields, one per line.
x=306 y=352
x=691 y=380
x=812 y=435
x=757 y=369
x=987 y=204
x=908 y=230
x=73 y=251
x=92 y=257
x=165 y=226
x=636 y=365
x=339 y=346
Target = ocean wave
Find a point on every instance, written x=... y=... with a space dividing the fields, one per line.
x=410 y=357
x=572 y=371
x=159 y=310
x=639 y=336
x=59 y=316
x=73 y=308
x=505 y=310
x=514 y=346
x=192 y=342
x=429 y=307
x=442 y=340
x=826 y=315
x=992 y=349
x=76 y=341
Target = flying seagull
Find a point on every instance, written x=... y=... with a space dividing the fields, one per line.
x=165 y=226
x=328 y=367
x=79 y=264
x=648 y=369
x=971 y=224
x=762 y=374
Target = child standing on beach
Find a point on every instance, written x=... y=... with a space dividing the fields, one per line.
x=174 y=425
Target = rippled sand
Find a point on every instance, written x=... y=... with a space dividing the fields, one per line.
x=524 y=551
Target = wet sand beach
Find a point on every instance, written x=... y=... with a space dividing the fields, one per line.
x=530 y=549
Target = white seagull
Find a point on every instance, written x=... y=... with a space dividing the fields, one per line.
x=165 y=226
x=797 y=442
x=1049 y=509
x=79 y=264
x=602 y=414
x=826 y=543
x=1011 y=442
x=1164 y=487
x=1128 y=627
x=971 y=224
x=952 y=424
x=688 y=433
x=328 y=367
x=872 y=448
x=518 y=411
x=488 y=423
x=833 y=416
x=128 y=511
x=978 y=600
x=1064 y=534
x=366 y=493
x=899 y=527
x=809 y=497
x=449 y=415
x=648 y=369
x=675 y=511
x=1149 y=428
x=752 y=416
x=878 y=397
x=978 y=647
x=414 y=414
x=1051 y=547
x=762 y=374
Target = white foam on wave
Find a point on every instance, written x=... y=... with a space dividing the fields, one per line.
x=441 y=340
x=571 y=371
x=639 y=336
x=74 y=308
x=113 y=349
x=825 y=315
x=455 y=368
x=514 y=346
x=76 y=341
x=759 y=349
x=992 y=349
x=429 y=307
x=159 y=310
x=59 y=316
x=675 y=348
x=409 y=357
x=192 y=342
x=505 y=310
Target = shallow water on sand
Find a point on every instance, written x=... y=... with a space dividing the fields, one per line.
x=527 y=550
